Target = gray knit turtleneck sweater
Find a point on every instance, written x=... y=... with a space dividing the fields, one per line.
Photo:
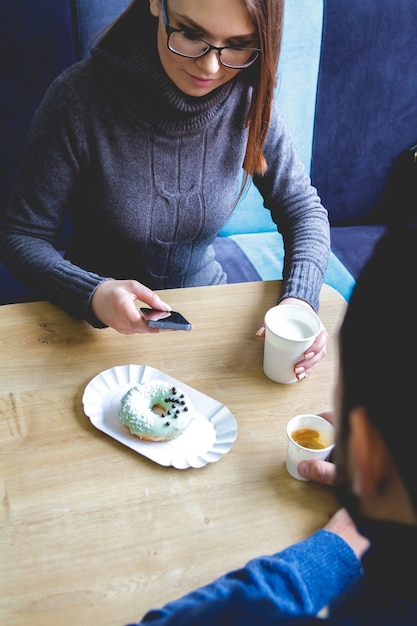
x=148 y=177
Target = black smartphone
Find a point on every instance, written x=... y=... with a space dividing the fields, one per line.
x=165 y=319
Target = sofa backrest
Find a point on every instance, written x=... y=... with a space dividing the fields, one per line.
x=366 y=109
x=36 y=44
x=91 y=17
x=348 y=91
x=296 y=96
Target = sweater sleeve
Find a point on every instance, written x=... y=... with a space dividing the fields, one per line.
x=298 y=213
x=297 y=581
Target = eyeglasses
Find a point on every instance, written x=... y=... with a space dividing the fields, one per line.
x=187 y=45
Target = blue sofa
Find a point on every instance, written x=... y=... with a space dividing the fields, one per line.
x=347 y=85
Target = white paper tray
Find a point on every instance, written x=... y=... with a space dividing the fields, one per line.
x=209 y=436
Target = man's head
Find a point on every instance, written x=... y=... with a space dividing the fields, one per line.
x=375 y=475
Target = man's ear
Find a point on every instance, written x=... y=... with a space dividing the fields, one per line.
x=369 y=460
x=155 y=7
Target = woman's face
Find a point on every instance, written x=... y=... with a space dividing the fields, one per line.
x=221 y=23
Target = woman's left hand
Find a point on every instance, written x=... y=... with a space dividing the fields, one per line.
x=315 y=353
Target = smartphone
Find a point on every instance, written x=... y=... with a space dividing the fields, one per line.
x=165 y=319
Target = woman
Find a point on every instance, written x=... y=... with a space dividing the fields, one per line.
x=143 y=146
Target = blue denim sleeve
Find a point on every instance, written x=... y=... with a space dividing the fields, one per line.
x=299 y=580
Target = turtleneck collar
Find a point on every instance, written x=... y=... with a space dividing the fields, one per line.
x=129 y=60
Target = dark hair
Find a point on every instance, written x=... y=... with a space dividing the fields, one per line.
x=378 y=348
x=267 y=16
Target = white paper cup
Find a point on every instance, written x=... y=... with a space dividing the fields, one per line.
x=289 y=330
x=297 y=452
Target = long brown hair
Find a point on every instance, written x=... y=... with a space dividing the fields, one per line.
x=267 y=16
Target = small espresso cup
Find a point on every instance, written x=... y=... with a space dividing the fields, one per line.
x=289 y=330
x=308 y=437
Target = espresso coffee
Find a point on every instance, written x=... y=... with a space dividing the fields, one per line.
x=308 y=438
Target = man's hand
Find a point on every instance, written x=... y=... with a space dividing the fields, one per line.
x=319 y=471
x=342 y=524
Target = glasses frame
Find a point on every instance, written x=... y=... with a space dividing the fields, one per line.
x=170 y=29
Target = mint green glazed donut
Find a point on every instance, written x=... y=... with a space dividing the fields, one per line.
x=156 y=411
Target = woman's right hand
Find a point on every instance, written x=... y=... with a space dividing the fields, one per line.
x=113 y=303
x=319 y=471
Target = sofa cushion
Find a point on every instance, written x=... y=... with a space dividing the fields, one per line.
x=237 y=265
x=12 y=291
x=353 y=245
x=265 y=251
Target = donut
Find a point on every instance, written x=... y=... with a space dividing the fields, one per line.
x=156 y=411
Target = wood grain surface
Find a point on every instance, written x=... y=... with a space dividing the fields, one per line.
x=94 y=533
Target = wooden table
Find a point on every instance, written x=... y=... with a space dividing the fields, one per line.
x=94 y=533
